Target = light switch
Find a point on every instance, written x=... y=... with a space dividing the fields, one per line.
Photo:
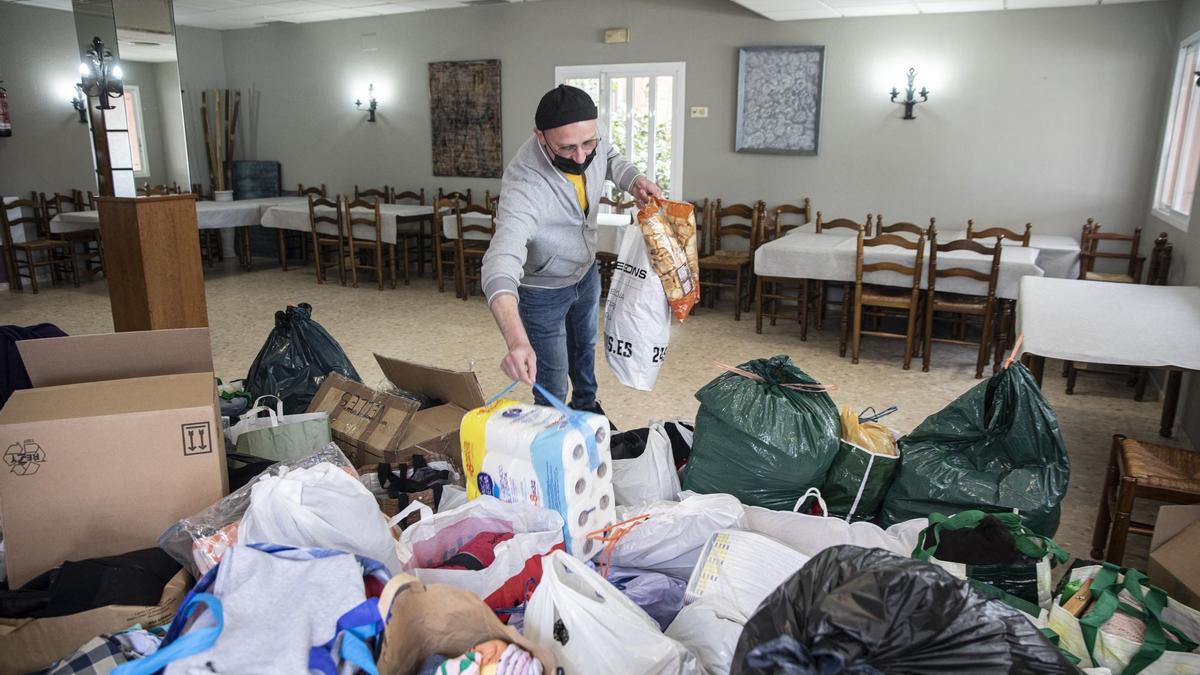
x=699 y=111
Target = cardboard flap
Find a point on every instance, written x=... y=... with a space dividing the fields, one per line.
x=1172 y=520
x=116 y=356
x=452 y=386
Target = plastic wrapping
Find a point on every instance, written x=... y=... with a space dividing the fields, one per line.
x=762 y=440
x=670 y=232
x=673 y=537
x=861 y=610
x=650 y=476
x=995 y=448
x=198 y=541
x=296 y=357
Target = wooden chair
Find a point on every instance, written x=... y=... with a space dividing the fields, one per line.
x=463 y=198
x=1089 y=252
x=446 y=250
x=86 y=246
x=198 y=190
x=382 y=195
x=416 y=241
x=301 y=191
x=1140 y=470
x=58 y=255
x=374 y=246
x=960 y=304
x=469 y=252
x=903 y=228
x=1158 y=275
x=323 y=241
x=823 y=287
x=148 y=190
x=774 y=290
x=873 y=300
x=617 y=205
x=988 y=233
x=86 y=201
x=724 y=261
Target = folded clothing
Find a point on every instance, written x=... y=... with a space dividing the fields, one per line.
x=494 y=657
x=478 y=553
x=136 y=578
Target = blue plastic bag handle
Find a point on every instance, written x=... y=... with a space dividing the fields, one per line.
x=360 y=623
x=190 y=643
x=574 y=417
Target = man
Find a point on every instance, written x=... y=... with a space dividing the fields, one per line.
x=540 y=274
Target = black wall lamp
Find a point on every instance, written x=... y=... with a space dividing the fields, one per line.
x=80 y=103
x=910 y=101
x=372 y=106
x=101 y=75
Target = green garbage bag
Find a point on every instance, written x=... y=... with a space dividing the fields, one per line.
x=764 y=434
x=865 y=465
x=995 y=448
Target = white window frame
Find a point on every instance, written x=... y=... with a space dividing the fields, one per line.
x=140 y=150
x=1181 y=82
x=677 y=69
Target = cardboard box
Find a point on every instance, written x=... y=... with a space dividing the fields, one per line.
x=28 y=645
x=373 y=426
x=119 y=438
x=1173 y=553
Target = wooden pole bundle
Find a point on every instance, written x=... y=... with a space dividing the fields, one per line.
x=220 y=133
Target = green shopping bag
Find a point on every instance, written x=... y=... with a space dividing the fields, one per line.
x=278 y=437
x=1030 y=583
x=1172 y=629
x=866 y=463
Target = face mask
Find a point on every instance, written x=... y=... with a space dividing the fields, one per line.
x=568 y=165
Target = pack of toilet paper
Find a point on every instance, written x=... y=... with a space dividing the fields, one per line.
x=518 y=452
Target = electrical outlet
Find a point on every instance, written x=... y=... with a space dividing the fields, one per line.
x=616 y=36
x=699 y=111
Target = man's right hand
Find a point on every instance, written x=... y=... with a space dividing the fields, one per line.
x=521 y=363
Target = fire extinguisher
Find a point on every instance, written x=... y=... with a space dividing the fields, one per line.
x=5 y=120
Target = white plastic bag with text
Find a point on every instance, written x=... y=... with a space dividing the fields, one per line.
x=637 y=323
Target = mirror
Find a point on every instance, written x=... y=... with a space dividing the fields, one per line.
x=140 y=139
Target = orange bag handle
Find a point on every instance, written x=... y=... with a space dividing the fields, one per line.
x=1012 y=356
x=609 y=536
x=796 y=386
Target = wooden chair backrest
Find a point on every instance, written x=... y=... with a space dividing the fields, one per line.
x=311 y=190
x=918 y=247
x=903 y=228
x=1089 y=249
x=315 y=218
x=489 y=229
x=803 y=210
x=382 y=195
x=843 y=223
x=989 y=232
x=1160 y=261
x=417 y=196
x=990 y=278
x=748 y=230
x=463 y=198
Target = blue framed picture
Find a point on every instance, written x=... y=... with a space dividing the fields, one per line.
x=779 y=99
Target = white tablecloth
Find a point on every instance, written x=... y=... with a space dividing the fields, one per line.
x=25 y=232
x=1114 y=324
x=1058 y=254
x=295 y=217
x=209 y=215
x=830 y=256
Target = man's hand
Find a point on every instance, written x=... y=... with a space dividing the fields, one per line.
x=521 y=363
x=643 y=189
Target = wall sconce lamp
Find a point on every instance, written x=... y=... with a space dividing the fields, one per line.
x=372 y=106
x=101 y=75
x=1198 y=78
x=910 y=101
x=80 y=103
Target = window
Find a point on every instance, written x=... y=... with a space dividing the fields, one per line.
x=137 y=132
x=641 y=106
x=1181 y=145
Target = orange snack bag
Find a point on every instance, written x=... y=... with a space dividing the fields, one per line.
x=670 y=231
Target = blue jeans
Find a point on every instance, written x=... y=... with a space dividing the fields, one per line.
x=562 y=324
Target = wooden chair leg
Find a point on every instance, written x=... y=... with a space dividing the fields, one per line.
x=318 y=260
x=437 y=268
x=927 y=351
x=1143 y=376
x=379 y=266
x=32 y=271
x=737 y=295
x=910 y=336
x=985 y=343
x=1072 y=369
x=845 y=323
x=1103 y=513
x=71 y=262
x=803 y=310
x=1126 y=492
x=759 y=309
x=282 y=251
x=856 y=339
x=392 y=263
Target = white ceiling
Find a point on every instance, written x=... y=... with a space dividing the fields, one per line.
x=789 y=10
x=233 y=14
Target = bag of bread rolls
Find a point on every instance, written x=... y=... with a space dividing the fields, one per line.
x=670 y=231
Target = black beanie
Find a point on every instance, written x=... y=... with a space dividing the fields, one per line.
x=564 y=105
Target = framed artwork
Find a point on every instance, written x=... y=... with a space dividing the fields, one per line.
x=779 y=99
x=464 y=107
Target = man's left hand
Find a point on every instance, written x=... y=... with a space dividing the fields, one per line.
x=643 y=189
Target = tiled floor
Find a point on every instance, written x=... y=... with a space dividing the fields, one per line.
x=418 y=323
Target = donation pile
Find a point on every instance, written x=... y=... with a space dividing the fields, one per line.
x=414 y=529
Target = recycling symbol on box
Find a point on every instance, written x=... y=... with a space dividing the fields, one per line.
x=25 y=458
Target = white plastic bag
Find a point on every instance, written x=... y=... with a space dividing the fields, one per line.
x=743 y=568
x=649 y=477
x=592 y=628
x=812 y=534
x=710 y=629
x=637 y=316
x=517 y=568
x=671 y=539
x=277 y=437
x=318 y=507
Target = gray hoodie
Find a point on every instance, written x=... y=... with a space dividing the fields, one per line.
x=543 y=239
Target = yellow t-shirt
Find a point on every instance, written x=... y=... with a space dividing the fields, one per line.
x=580 y=189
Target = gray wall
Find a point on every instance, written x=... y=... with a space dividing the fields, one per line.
x=1185 y=259
x=175 y=159
x=49 y=150
x=201 y=66
x=1048 y=116
x=145 y=77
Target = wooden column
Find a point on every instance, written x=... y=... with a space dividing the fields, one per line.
x=152 y=262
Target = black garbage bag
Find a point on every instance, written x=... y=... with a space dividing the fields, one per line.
x=297 y=356
x=764 y=435
x=995 y=448
x=868 y=611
